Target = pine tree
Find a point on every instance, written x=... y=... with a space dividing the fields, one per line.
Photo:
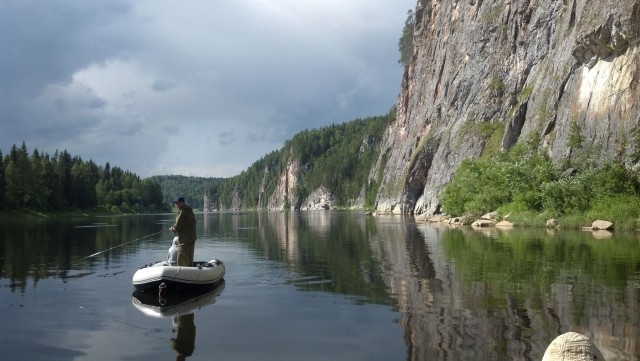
x=405 y=44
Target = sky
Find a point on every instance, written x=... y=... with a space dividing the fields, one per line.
x=197 y=88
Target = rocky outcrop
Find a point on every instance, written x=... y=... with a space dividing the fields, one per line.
x=321 y=199
x=283 y=196
x=486 y=75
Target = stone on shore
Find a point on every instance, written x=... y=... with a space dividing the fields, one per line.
x=572 y=346
x=601 y=225
x=504 y=224
x=481 y=223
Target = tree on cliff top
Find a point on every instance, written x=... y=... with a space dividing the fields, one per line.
x=405 y=44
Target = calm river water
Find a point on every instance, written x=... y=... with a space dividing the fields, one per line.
x=322 y=285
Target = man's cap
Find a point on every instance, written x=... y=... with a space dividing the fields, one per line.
x=179 y=199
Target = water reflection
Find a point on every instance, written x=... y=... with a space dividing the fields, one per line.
x=462 y=294
x=184 y=342
x=31 y=250
x=181 y=308
x=497 y=293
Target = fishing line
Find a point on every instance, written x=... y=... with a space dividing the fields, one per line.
x=120 y=245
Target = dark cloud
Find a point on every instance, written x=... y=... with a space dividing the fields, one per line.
x=135 y=83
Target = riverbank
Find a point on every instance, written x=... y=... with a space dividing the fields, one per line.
x=9 y=216
x=570 y=222
x=70 y=213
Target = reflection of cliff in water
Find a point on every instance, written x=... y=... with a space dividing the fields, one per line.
x=454 y=310
x=330 y=250
x=464 y=294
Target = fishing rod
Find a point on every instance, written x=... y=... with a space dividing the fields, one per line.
x=120 y=245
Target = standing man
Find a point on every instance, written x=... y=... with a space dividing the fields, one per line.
x=185 y=228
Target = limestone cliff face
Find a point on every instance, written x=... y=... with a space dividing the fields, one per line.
x=283 y=195
x=488 y=74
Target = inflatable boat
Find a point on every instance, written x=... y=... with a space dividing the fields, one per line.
x=161 y=305
x=163 y=276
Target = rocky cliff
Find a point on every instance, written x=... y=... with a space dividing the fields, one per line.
x=283 y=196
x=486 y=75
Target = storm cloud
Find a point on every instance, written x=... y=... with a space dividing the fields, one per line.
x=201 y=88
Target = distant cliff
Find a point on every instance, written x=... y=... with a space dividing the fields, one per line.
x=486 y=75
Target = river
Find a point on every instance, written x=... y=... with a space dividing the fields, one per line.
x=324 y=285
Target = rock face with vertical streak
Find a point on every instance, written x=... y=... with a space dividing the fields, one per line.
x=283 y=195
x=486 y=75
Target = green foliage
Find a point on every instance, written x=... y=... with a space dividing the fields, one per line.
x=39 y=182
x=341 y=156
x=497 y=87
x=625 y=209
x=405 y=44
x=575 y=136
x=593 y=186
x=635 y=142
x=484 y=185
x=525 y=181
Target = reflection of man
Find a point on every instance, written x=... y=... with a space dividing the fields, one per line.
x=185 y=228
x=184 y=343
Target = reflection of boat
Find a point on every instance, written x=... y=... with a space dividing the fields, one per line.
x=161 y=275
x=160 y=305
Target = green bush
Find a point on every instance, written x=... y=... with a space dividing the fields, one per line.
x=624 y=209
x=578 y=194
x=511 y=180
x=526 y=184
x=567 y=195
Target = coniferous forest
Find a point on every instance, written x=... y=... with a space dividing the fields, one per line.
x=41 y=182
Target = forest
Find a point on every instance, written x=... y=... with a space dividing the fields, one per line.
x=40 y=182
x=338 y=157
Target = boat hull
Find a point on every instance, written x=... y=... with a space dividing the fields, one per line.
x=161 y=305
x=162 y=276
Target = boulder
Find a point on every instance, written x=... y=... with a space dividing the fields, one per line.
x=504 y=224
x=572 y=346
x=490 y=215
x=438 y=218
x=601 y=225
x=552 y=223
x=481 y=223
x=320 y=199
x=570 y=172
